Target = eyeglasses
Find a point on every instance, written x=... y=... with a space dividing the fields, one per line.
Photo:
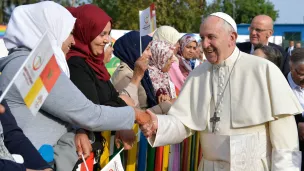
x=258 y=30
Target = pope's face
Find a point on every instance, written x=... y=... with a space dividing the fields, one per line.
x=217 y=42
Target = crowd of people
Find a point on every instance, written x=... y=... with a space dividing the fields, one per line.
x=245 y=100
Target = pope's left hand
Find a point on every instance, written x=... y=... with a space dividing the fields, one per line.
x=126 y=137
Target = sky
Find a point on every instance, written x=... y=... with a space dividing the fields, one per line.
x=290 y=11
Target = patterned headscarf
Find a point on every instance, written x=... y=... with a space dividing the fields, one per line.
x=162 y=51
x=184 y=41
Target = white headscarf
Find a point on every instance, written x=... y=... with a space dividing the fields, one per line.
x=29 y=22
x=167 y=33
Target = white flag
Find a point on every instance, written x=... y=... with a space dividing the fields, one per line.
x=147 y=20
x=37 y=75
x=114 y=165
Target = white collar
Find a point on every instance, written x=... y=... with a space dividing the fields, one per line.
x=231 y=59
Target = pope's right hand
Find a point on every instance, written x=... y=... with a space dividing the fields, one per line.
x=149 y=129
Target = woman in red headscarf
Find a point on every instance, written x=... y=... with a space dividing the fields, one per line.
x=85 y=60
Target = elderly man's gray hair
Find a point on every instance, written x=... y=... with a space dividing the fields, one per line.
x=297 y=56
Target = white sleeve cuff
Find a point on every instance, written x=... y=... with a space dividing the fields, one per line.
x=286 y=160
x=158 y=133
x=170 y=131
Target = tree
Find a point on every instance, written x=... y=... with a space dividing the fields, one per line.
x=243 y=11
x=184 y=15
x=7 y=6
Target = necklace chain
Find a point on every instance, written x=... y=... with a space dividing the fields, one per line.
x=222 y=93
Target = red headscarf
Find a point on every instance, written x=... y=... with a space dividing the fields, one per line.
x=91 y=20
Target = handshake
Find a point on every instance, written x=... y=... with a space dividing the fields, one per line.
x=147 y=121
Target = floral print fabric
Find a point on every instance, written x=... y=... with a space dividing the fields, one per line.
x=161 y=51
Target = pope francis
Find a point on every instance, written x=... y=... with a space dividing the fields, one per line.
x=241 y=104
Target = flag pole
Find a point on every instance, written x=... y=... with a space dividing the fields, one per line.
x=140 y=46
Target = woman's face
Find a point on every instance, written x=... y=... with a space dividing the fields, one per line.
x=98 y=44
x=108 y=54
x=168 y=64
x=66 y=45
x=190 y=50
x=147 y=53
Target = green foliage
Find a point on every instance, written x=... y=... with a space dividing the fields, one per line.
x=68 y=3
x=7 y=6
x=184 y=15
x=243 y=11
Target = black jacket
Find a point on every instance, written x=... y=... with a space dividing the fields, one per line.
x=17 y=143
x=98 y=91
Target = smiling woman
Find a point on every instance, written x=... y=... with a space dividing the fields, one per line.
x=88 y=72
x=91 y=33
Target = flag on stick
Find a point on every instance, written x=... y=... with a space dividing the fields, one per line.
x=147 y=20
x=37 y=75
x=115 y=164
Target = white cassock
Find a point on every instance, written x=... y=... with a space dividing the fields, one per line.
x=257 y=129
